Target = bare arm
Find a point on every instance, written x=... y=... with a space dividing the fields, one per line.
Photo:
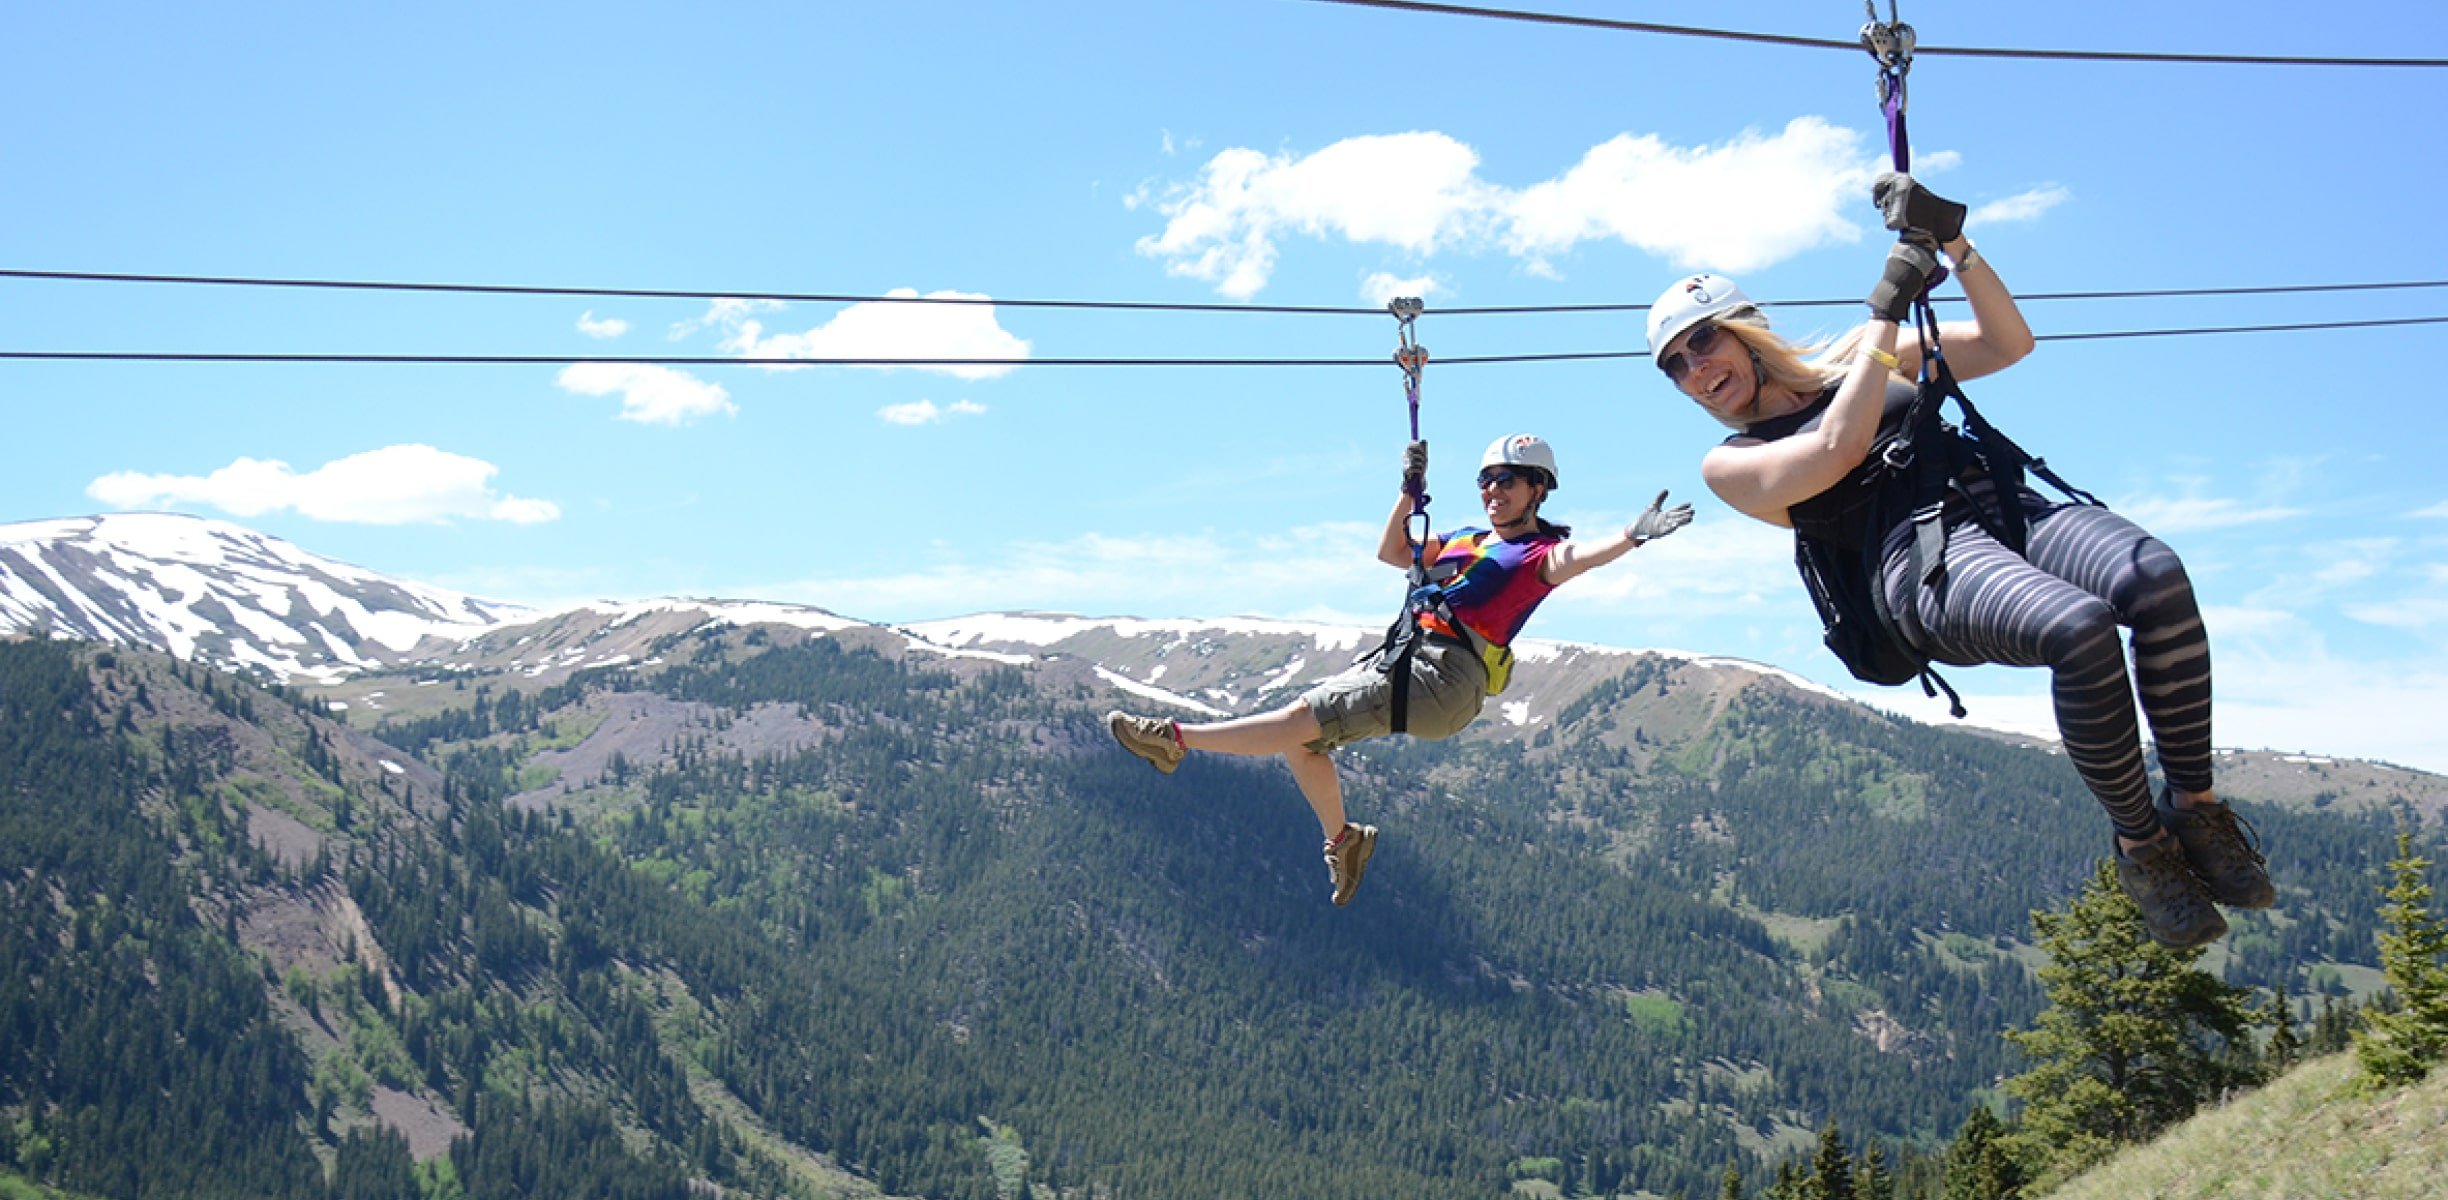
x=1572 y=558
x=1394 y=548
x=1763 y=479
x=1994 y=339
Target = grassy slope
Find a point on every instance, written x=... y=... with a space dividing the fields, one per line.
x=2308 y=1135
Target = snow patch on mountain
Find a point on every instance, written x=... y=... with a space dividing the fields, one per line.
x=209 y=590
x=1047 y=629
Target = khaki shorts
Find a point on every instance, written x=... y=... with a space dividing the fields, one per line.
x=1448 y=684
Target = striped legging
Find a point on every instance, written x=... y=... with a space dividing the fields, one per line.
x=2085 y=571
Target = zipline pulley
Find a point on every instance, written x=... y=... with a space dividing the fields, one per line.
x=1413 y=359
x=1890 y=42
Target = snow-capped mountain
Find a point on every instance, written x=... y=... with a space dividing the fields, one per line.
x=224 y=594
x=220 y=593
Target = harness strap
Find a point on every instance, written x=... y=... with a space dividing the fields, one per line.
x=1403 y=637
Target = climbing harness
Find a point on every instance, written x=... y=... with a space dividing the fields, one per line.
x=1916 y=467
x=1421 y=595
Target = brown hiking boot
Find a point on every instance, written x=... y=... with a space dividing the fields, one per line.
x=1347 y=859
x=1150 y=738
x=2224 y=850
x=2175 y=905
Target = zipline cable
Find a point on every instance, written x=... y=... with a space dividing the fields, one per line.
x=505 y=289
x=721 y=361
x=1779 y=39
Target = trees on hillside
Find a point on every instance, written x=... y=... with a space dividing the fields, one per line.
x=2400 y=1043
x=2134 y=1037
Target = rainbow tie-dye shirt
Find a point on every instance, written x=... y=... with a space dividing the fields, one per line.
x=1495 y=584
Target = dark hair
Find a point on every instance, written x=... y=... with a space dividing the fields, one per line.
x=1545 y=526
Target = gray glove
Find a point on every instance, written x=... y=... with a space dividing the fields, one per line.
x=1912 y=208
x=1908 y=272
x=1415 y=466
x=1657 y=521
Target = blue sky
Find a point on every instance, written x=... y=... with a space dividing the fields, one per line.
x=1238 y=151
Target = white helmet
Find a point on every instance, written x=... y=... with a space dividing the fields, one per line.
x=1521 y=450
x=1691 y=301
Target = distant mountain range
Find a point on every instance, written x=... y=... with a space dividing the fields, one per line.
x=221 y=594
x=766 y=897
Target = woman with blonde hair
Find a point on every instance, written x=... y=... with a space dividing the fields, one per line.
x=2018 y=580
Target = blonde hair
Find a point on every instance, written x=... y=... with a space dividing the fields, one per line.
x=1808 y=369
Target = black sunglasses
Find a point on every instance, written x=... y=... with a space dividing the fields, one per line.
x=1703 y=338
x=1501 y=476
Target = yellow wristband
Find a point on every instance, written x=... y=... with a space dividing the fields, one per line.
x=1882 y=358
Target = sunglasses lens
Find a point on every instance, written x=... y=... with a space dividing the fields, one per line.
x=1488 y=479
x=1678 y=364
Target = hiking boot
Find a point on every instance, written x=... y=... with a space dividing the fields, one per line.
x=1151 y=738
x=2175 y=905
x=2224 y=850
x=1347 y=859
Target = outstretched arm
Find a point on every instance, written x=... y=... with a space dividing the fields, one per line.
x=1573 y=558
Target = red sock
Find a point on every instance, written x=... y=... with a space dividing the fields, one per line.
x=1177 y=737
x=1340 y=834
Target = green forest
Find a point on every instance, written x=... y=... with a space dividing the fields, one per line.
x=960 y=947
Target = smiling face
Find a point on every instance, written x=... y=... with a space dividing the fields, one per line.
x=1509 y=496
x=1712 y=366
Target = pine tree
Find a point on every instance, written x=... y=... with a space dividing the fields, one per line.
x=1832 y=1169
x=1979 y=1165
x=2133 y=1039
x=1874 y=1181
x=2285 y=1046
x=1732 y=1188
x=2402 y=1046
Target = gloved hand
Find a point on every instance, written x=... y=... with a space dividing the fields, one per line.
x=1908 y=272
x=1415 y=466
x=1657 y=521
x=1912 y=208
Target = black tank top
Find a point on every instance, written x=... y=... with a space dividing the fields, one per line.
x=1842 y=514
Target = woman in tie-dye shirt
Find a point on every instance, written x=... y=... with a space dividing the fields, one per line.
x=1490 y=581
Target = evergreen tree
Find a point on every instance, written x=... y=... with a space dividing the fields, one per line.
x=1732 y=1187
x=1979 y=1164
x=2134 y=1037
x=2402 y=1046
x=2333 y=1030
x=1873 y=1181
x=2285 y=1046
x=1832 y=1169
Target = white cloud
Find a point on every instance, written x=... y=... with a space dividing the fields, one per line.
x=927 y=412
x=2025 y=207
x=726 y=313
x=1408 y=190
x=1382 y=287
x=2414 y=613
x=396 y=485
x=2192 y=514
x=1751 y=201
x=2439 y=510
x=601 y=327
x=891 y=328
x=649 y=394
x=1294 y=574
